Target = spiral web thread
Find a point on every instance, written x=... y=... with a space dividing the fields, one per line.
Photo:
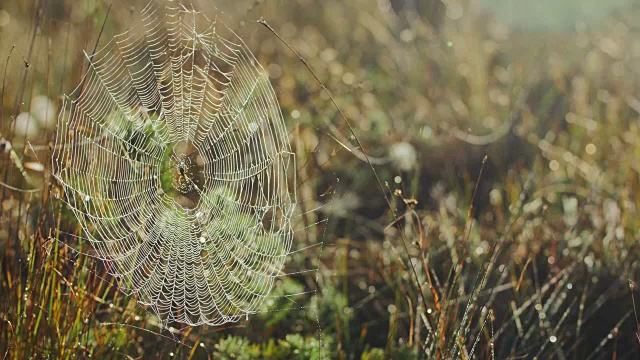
x=174 y=157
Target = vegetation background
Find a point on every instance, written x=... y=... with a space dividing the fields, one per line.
x=505 y=133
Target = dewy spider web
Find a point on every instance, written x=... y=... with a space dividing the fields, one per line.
x=174 y=157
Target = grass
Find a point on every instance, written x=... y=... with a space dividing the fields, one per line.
x=509 y=158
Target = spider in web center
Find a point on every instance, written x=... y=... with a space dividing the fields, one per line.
x=186 y=166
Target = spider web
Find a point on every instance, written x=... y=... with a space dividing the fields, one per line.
x=174 y=157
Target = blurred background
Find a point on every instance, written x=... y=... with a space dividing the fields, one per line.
x=494 y=217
